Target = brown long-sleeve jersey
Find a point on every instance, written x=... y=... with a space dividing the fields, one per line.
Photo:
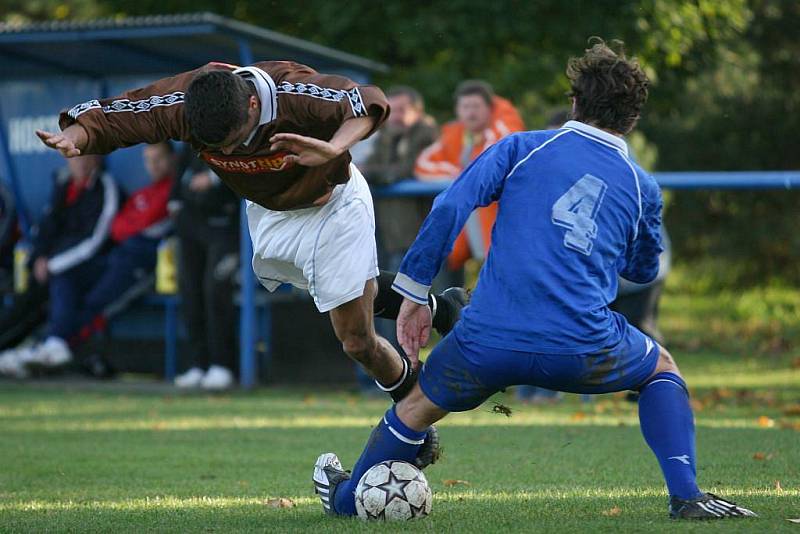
x=304 y=102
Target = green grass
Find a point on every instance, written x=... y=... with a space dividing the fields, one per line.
x=98 y=460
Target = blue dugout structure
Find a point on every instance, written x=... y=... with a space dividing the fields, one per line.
x=48 y=67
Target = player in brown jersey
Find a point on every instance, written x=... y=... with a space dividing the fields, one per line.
x=278 y=134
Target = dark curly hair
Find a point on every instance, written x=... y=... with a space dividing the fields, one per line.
x=216 y=105
x=610 y=90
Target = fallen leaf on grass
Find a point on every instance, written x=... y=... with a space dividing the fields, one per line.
x=502 y=409
x=577 y=416
x=790 y=425
x=759 y=456
x=766 y=422
x=283 y=502
x=613 y=512
x=450 y=482
x=792 y=409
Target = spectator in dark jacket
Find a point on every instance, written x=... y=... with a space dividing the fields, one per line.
x=71 y=233
x=407 y=132
x=8 y=237
x=206 y=216
x=80 y=290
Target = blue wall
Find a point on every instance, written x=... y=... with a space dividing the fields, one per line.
x=30 y=105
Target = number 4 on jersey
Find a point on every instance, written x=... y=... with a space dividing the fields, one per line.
x=576 y=211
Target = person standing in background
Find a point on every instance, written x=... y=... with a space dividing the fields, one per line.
x=206 y=216
x=482 y=119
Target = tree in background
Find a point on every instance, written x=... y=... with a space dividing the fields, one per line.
x=726 y=92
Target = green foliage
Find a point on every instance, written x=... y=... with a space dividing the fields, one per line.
x=725 y=95
x=699 y=310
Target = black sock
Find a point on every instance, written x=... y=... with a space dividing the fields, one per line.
x=399 y=389
x=443 y=313
x=387 y=302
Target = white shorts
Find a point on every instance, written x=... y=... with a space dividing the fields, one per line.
x=329 y=250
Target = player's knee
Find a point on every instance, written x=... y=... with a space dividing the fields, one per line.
x=666 y=363
x=359 y=345
x=417 y=411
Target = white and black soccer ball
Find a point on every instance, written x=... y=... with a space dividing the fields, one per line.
x=393 y=490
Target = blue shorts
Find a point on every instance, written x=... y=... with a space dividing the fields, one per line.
x=460 y=375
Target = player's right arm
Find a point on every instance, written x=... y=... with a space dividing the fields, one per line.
x=150 y=114
x=643 y=257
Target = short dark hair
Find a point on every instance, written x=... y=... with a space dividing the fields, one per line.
x=475 y=87
x=216 y=105
x=410 y=92
x=610 y=90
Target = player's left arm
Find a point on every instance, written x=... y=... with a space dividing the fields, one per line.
x=312 y=152
x=642 y=259
x=356 y=110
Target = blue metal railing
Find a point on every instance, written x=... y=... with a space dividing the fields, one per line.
x=667 y=180
x=412 y=188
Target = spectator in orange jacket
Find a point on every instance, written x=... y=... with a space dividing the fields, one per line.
x=482 y=119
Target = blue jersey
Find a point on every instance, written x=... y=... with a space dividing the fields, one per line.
x=574 y=211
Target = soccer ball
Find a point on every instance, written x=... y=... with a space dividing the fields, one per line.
x=393 y=490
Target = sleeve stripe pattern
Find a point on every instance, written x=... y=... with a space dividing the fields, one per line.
x=357 y=103
x=138 y=106
x=80 y=109
x=326 y=93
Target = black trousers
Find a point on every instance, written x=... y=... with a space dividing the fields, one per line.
x=25 y=312
x=208 y=263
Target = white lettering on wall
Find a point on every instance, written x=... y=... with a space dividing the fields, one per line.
x=22 y=137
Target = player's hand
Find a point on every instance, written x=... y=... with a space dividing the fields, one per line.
x=69 y=142
x=304 y=150
x=413 y=328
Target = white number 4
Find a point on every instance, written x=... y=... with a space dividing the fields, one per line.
x=576 y=211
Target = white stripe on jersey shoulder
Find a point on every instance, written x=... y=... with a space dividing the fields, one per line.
x=596 y=134
x=535 y=150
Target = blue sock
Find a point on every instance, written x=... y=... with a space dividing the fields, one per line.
x=391 y=439
x=667 y=422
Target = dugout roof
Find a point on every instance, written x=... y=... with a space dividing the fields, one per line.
x=144 y=45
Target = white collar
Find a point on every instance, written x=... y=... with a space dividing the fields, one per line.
x=598 y=135
x=267 y=94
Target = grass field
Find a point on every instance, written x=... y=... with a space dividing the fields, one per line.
x=77 y=459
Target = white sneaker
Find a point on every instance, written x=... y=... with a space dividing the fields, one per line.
x=53 y=352
x=11 y=363
x=189 y=379
x=217 y=378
